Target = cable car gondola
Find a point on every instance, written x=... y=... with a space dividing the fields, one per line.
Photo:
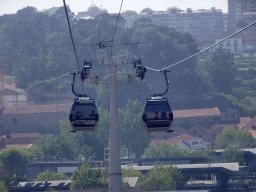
x=83 y=114
x=157 y=115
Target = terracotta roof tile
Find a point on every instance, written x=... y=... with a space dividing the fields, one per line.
x=196 y=112
x=216 y=127
x=178 y=128
x=253 y=132
x=23 y=135
x=228 y=33
x=199 y=127
x=27 y=109
x=19 y=141
x=251 y=123
x=244 y=120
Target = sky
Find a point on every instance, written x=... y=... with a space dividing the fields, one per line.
x=112 y=6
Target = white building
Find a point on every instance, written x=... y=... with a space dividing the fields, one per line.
x=233 y=44
x=14 y=96
x=196 y=144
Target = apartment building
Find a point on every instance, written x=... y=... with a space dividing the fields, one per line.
x=236 y=9
x=249 y=17
x=203 y=22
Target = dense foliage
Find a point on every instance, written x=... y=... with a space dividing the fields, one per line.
x=219 y=71
x=51 y=176
x=88 y=177
x=162 y=178
x=234 y=154
x=241 y=138
x=2 y=186
x=13 y=160
x=40 y=44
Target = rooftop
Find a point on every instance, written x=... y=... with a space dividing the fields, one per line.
x=28 y=109
x=196 y=112
x=228 y=33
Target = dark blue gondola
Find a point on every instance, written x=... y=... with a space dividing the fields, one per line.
x=83 y=114
x=157 y=115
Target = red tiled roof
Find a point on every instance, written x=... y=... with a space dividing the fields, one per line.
x=196 y=112
x=251 y=123
x=23 y=135
x=244 y=120
x=253 y=132
x=205 y=38
x=178 y=128
x=216 y=127
x=228 y=33
x=250 y=39
x=19 y=141
x=27 y=109
x=7 y=85
x=174 y=140
x=199 y=127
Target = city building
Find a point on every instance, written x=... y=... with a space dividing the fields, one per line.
x=14 y=96
x=33 y=118
x=233 y=44
x=91 y=12
x=203 y=22
x=249 y=17
x=236 y=9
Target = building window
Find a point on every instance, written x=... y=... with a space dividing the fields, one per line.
x=14 y=121
x=194 y=142
x=235 y=48
x=194 y=131
x=228 y=43
x=213 y=136
x=235 y=42
x=200 y=136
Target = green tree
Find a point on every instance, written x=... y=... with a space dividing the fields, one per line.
x=2 y=186
x=162 y=178
x=132 y=131
x=220 y=71
x=131 y=172
x=234 y=154
x=51 y=176
x=173 y=7
x=13 y=159
x=147 y=10
x=142 y=21
x=230 y=136
x=162 y=150
x=130 y=12
x=88 y=177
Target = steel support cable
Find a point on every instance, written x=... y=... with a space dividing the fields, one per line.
x=72 y=39
x=202 y=50
x=117 y=21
